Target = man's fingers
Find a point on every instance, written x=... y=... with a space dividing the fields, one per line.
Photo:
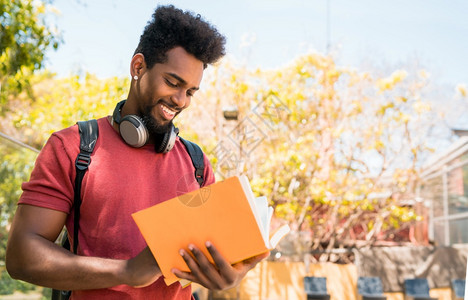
x=195 y=274
x=218 y=275
x=250 y=263
x=227 y=272
x=205 y=268
x=183 y=275
x=219 y=260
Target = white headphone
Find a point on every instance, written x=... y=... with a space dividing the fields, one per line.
x=134 y=132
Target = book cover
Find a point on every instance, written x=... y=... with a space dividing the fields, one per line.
x=224 y=213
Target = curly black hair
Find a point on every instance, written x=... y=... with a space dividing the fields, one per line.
x=171 y=27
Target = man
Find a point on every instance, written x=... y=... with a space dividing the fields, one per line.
x=113 y=261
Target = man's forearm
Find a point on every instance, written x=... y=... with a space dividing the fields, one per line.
x=41 y=262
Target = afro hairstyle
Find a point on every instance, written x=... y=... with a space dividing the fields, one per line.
x=171 y=27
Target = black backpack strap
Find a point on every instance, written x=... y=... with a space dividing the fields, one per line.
x=89 y=132
x=196 y=154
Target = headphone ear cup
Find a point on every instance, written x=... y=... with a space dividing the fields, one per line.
x=133 y=131
x=168 y=141
x=116 y=115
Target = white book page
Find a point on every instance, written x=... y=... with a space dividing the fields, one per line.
x=253 y=205
x=263 y=214
x=266 y=213
x=278 y=235
x=261 y=204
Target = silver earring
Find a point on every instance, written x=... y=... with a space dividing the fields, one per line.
x=135 y=77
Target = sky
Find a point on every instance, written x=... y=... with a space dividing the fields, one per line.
x=99 y=36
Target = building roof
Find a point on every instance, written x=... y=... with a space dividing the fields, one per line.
x=439 y=160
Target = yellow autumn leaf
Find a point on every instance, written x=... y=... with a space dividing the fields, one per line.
x=384 y=84
x=421 y=107
x=461 y=88
x=399 y=76
x=389 y=83
x=423 y=74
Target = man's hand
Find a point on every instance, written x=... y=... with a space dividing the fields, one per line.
x=218 y=276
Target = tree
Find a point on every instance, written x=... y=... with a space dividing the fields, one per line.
x=358 y=142
x=15 y=166
x=58 y=103
x=335 y=149
x=24 y=37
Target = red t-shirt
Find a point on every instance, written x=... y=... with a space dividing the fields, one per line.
x=120 y=181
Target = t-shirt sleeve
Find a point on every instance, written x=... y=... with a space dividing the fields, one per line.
x=51 y=183
x=208 y=173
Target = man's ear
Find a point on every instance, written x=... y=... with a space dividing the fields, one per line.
x=137 y=65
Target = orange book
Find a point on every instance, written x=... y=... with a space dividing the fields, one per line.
x=225 y=213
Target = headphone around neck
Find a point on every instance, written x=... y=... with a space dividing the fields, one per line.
x=134 y=132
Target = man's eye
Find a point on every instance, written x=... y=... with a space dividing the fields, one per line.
x=169 y=83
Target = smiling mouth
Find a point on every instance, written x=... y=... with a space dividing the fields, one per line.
x=168 y=113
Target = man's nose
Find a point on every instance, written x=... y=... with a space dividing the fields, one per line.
x=180 y=98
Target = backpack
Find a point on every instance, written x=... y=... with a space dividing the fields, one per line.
x=89 y=132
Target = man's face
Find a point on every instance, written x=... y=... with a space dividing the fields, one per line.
x=167 y=88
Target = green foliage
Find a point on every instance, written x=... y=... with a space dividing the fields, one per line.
x=337 y=146
x=46 y=293
x=60 y=103
x=332 y=148
x=24 y=38
x=8 y=285
x=337 y=163
x=15 y=167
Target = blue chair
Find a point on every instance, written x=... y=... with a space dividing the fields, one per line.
x=417 y=289
x=458 y=288
x=370 y=288
x=316 y=288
